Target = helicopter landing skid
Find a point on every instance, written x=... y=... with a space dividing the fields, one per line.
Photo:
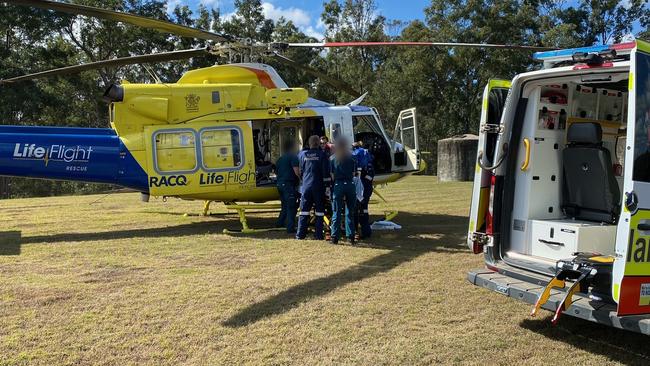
x=206 y=208
x=241 y=211
x=389 y=215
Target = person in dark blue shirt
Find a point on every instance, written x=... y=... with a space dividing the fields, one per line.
x=366 y=172
x=314 y=171
x=327 y=148
x=288 y=176
x=343 y=168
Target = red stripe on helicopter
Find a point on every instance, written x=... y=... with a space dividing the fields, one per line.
x=263 y=77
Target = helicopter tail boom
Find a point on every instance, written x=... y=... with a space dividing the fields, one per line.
x=65 y=153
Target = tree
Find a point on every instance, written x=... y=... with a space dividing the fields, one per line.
x=353 y=20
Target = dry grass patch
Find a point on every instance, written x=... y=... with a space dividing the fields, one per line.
x=91 y=280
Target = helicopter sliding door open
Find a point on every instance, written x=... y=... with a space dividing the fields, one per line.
x=406 y=153
x=269 y=136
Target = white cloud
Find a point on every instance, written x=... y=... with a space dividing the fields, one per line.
x=313 y=32
x=298 y=16
x=210 y=3
x=171 y=4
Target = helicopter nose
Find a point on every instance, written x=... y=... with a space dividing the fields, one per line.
x=114 y=93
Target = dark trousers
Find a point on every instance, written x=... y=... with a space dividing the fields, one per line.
x=343 y=195
x=311 y=197
x=287 y=216
x=363 y=215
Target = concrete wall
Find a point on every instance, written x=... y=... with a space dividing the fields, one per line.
x=457 y=158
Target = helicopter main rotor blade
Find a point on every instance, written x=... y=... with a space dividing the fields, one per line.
x=336 y=83
x=417 y=44
x=159 y=25
x=155 y=57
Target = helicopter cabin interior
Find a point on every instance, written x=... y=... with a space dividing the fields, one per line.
x=569 y=176
x=270 y=135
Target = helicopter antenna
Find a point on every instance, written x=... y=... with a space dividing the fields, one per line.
x=152 y=73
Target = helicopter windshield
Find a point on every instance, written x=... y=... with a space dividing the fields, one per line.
x=366 y=123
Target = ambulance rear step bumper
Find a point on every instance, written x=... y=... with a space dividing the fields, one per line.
x=525 y=286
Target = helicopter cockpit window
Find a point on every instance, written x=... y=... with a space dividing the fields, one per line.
x=362 y=124
x=221 y=149
x=335 y=131
x=367 y=130
x=175 y=151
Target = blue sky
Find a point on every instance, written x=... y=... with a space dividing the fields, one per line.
x=306 y=13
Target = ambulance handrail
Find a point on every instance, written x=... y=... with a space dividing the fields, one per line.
x=524 y=166
x=499 y=161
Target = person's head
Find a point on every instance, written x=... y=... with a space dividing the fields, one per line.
x=288 y=146
x=341 y=147
x=314 y=142
x=357 y=144
x=324 y=141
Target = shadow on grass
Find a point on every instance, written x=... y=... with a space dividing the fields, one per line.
x=10 y=242
x=196 y=228
x=414 y=241
x=617 y=345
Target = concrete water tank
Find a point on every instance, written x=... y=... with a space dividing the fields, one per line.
x=457 y=158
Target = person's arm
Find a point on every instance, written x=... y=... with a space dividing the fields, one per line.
x=370 y=169
x=295 y=164
x=301 y=168
x=327 y=176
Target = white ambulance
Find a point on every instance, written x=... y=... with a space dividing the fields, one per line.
x=561 y=201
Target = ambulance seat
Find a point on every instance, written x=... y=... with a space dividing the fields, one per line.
x=590 y=189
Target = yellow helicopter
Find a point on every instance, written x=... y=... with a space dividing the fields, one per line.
x=215 y=133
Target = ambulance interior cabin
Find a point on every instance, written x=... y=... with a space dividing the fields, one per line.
x=270 y=135
x=569 y=177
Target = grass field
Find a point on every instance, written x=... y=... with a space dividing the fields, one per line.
x=110 y=280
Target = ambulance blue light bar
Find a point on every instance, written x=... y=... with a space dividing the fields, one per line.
x=551 y=57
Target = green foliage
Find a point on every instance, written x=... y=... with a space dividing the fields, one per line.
x=444 y=84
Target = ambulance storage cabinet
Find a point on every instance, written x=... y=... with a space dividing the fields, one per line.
x=559 y=239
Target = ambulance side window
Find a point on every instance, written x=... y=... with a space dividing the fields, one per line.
x=175 y=151
x=221 y=149
x=641 y=170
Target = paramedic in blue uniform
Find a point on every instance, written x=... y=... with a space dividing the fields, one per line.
x=366 y=172
x=288 y=175
x=314 y=170
x=343 y=169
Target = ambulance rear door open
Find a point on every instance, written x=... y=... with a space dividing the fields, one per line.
x=494 y=98
x=631 y=276
x=406 y=149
